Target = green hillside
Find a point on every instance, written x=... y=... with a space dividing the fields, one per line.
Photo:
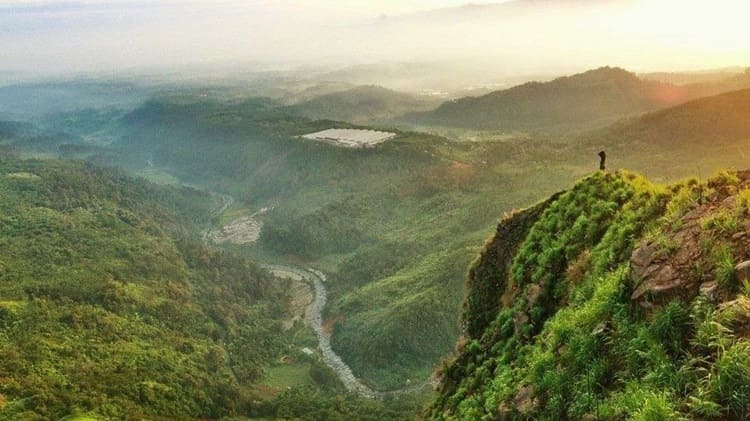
x=693 y=138
x=361 y=105
x=108 y=307
x=394 y=226
x=111 y=309
x=584 y=100
x=617 y=299
x=579 y=102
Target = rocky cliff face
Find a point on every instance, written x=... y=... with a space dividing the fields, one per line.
x=617 y=299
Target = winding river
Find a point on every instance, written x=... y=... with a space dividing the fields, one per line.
x=314 y=317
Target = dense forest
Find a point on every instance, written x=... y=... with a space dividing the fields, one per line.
x=111 y=307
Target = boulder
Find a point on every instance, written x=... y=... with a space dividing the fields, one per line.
x=659 y=279
x=736 y=314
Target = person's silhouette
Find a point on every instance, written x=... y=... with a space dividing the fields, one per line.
x=602 y=157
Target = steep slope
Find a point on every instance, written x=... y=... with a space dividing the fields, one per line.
x=109 y=308
x=617 y=299
x=583 y=100
x=362 y=104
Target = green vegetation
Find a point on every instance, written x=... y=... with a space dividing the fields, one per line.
x=583 y=101
x=109 y=308
x=395 y=227
x=362 y=105
x=555 y=328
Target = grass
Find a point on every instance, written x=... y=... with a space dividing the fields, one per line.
x=584 y=347
x=723 y=259
x=724 y=221
x=283 y=376
x=159 y=176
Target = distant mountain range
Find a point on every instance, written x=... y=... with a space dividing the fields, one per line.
x=588 y=99
x=583 y=101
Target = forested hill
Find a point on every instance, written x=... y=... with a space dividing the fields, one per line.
x=719 y=119
x=583 y=100
x=362 y=104
x=108 y=306
x=616 y=299
x=691 y=138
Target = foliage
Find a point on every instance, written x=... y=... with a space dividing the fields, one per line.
x=558 y=349
x=575 y=102
x=108 y=306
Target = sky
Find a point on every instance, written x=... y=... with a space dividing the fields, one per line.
x=59 y=37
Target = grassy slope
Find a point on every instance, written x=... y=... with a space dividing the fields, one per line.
x=552 y=332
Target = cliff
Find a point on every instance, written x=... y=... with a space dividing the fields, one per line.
x=617 y=299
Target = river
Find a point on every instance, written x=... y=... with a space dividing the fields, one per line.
x=314 y=318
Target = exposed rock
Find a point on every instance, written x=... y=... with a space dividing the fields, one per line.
x=736 y=314
x=519 y=320
x=525 y=400
x=742 y=271
x=659 y=281
x=503 y=412
x=709 y=290
x=532 y=295
x=642 y=258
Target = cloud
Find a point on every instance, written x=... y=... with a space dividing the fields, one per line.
x=524 y=35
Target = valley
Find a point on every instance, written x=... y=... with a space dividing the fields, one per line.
x=363 y=251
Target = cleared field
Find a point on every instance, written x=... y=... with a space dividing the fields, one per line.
x=351 y=138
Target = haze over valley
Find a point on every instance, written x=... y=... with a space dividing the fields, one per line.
x=529 y=209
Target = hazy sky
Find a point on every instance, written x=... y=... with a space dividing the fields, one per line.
x=91 y=35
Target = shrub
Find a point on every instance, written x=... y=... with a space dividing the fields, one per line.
x=730 y=382
x=656 y=406
x=724 y=267
x=724 y=221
